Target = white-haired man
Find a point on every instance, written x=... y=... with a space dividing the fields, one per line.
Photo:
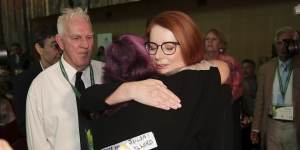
x=277 y=108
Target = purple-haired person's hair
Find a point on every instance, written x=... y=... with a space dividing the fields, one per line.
x=127 y=60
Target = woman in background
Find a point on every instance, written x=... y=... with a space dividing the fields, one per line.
x=216 y=48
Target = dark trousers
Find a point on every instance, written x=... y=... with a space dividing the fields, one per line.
x=236 y=112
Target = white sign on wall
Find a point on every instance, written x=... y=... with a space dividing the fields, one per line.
x=104 y=39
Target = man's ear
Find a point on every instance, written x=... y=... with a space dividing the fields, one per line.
x=38 y=48
x=58 y=38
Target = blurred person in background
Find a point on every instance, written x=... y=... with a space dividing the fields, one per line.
x=248 y=101
x=17 y=60
x=8 y=125
x=216 y=48
x=276 y=122
x=47 y=53
x=100 y=54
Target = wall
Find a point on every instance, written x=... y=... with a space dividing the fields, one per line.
x=249 y=26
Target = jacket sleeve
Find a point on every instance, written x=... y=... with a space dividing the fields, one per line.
x=93 y=99
x=259 y=103
x=218 y=99
x=207 y=123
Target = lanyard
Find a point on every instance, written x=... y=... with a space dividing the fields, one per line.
x=282 y=87
x=77 y=93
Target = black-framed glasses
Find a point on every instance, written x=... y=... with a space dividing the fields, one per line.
x=168 y=48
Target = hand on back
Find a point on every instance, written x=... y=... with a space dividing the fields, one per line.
x=205 y=65
x=149 y=92
x=153 y=93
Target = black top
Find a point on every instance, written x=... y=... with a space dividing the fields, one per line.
x=196 y=125
x=21 y=85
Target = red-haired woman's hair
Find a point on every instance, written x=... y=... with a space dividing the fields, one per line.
x=185 y=31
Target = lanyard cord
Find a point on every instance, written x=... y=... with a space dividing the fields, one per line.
x=284 y=88
x=77 y=93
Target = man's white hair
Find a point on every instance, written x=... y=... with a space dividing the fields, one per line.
x=285 y=29
x=69 y=13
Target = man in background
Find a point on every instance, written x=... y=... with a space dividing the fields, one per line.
x=47 y=53
x=17 y=61
x=277 y=108
x=248 y=101
x=250 y=88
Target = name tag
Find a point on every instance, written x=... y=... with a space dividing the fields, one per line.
x=142 y=142
x=283 y=113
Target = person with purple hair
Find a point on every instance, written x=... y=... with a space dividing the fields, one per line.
x=128 y=60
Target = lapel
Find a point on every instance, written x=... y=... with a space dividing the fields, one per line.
x=296 y=91
x=296 y=86
x=270 y=75
x=296 y=79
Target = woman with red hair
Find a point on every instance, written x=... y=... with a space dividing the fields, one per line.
x=173 y=43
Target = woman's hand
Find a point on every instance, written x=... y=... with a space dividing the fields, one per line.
x=205 y=65
x=4 y=145
x=148 y=92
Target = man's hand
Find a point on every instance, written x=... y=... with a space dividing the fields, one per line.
x=149 y=92
x=245 y=121
x=254 y=136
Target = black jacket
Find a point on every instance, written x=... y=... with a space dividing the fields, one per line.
x=21 y=84
x=197 y=125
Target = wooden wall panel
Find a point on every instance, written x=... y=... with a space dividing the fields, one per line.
x=249 y=26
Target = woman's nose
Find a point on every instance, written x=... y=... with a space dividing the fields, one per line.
x=159 y=53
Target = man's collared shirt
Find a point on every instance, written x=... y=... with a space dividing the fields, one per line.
x=51 y=109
